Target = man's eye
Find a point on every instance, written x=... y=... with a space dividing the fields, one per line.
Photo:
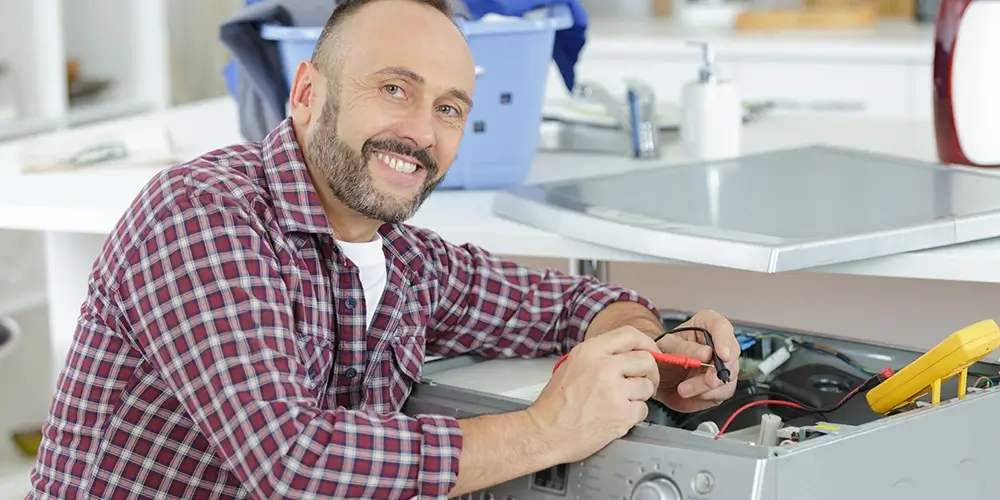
x=392 y=90
x=448 y=110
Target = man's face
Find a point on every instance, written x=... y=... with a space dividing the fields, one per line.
x=392 y=119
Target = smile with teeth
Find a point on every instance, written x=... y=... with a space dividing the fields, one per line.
x=397 y=164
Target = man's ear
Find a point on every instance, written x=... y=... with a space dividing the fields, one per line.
x=303 y=100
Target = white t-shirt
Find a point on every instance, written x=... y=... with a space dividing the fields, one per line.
x=370 y=261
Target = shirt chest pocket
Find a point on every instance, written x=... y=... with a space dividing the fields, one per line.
x=316 y=354
x=402 y=366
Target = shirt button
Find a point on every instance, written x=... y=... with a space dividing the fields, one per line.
x=351 y=373
x=350 y=303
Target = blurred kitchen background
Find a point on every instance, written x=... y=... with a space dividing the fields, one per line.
x=65 y=63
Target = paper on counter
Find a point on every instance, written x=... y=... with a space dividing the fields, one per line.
x=145 y=145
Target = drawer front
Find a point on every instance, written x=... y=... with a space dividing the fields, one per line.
x=877 y=90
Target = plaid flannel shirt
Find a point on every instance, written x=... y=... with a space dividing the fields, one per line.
x=222 y=351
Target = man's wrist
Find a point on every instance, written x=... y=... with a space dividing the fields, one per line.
x=649 y=326
x=552 y=447
x=625 y=313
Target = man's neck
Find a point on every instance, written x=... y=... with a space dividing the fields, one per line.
x=347 y=224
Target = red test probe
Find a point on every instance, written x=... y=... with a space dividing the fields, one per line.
x=664 y=358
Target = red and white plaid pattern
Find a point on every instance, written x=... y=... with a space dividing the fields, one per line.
x=222 y=350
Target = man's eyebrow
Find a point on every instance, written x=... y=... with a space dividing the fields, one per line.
x=409 y=74
x=402 y=72
x=461 y=95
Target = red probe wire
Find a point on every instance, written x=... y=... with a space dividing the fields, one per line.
x=660 y=357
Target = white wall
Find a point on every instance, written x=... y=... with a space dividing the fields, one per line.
x=21 y=270
x=196 y=55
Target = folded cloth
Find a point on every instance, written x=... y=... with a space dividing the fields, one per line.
x=261 y=89
x=256 y=78
x=568 y=43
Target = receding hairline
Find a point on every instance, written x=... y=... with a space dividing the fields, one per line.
x=323 y=54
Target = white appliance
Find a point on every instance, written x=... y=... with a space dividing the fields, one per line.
x=967 y=82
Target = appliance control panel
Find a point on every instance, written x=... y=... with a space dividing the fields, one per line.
x=630 y=470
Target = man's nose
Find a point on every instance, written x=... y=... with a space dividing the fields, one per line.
x=418 y=129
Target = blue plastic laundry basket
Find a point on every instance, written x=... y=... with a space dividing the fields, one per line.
x=512 y=66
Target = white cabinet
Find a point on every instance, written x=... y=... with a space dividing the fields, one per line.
x=920 y=100
x=871 y=89
x=121 y=46
x=32 y=78
x=872 y=77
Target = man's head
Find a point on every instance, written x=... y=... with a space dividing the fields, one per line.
x=381 y=108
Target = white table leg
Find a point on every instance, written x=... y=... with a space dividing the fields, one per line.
x=69 y=260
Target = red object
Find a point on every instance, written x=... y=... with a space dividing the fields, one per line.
x=663 y=358
x=963 y=98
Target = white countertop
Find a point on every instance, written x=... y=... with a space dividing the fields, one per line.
x=91 y=201
x=886 y=40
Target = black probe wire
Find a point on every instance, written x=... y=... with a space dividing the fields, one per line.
x=720 y=367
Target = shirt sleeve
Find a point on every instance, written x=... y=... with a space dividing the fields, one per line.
x=496 y=308
x=208 y=308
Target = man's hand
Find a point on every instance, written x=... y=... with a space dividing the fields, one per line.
x=691 y=390
x=598 y=393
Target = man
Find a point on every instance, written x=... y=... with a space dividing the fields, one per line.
x=260 y=314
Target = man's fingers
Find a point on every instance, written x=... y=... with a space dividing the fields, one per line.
x=639 y=388
x=674 y=344
x=697 y=386
x=706 y=386
x=727 y=346
x=721 y=331
x=641 y=411
x=719 y=394
x=723 y=334
x=625 y=339
x=637 y=364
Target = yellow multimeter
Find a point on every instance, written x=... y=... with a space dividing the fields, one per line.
x=951 y=357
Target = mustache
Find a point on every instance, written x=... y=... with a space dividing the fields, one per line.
x=400 y=148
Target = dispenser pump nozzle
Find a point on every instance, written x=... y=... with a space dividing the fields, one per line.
x=706 y=73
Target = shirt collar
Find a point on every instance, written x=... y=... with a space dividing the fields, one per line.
x=296 y=201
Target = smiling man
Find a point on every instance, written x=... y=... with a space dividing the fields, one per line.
x=260 y=314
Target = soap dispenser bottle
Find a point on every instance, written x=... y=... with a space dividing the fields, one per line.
x=711 y=113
